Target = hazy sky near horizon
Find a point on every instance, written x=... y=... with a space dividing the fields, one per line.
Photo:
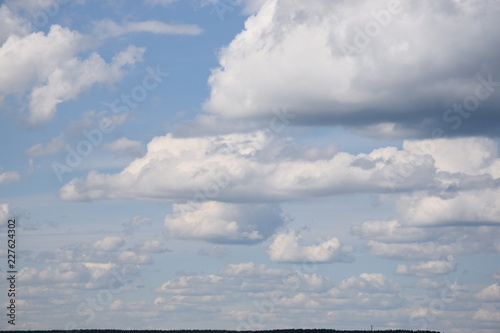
x=251 y=164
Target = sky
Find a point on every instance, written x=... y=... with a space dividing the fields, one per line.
x=251 y=164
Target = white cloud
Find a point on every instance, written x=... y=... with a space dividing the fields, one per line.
x=46 y=66
x=55 y=145
x=107 y=28
x=286 y=248
x=215 y=251
x=124 y=146
x=472 y=156
x=252 y=167
x=152 y=246
x=490 y=294
x=389 y=232
x=136 y=222
x=429 y=268
x=370 y=283
x=108 y=244
x=9 y=177
x=69 y=79
x=392 y=77
x=484 y=315
x=130 y=257
x=218 y=222
x=10 y=24
x=468 y=207
x=4 y=214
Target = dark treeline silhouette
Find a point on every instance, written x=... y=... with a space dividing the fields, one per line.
x=224 y=331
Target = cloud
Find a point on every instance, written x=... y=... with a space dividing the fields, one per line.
x=370 y=283
x=286 y=248
x=136 y=222
x=9 y=177
x=107 y=28
x=124 y=146
x=10 y=24
x=108 y=244
x=4 y=214
x=479 y=207
x=484 y=315
x=57 y=144
x=152 y=246
x=47 y=67
x=441 y=241
x=489 y=294
x=367 y=291
x=75 y=76
x=215 y=251
x=374 y=65
x=253 y=167
x=429 y=268
x=389 y=232
x=130 y=257
x=224 y=223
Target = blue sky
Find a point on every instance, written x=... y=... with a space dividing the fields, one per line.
x=251 y=164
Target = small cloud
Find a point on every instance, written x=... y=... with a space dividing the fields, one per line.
x=286 y=248
x=428 y=268
x=9 y=177
x=216 y=251
x=490 y=293
x=135 y=223
x=55 y=145
x=108 y=244
x=127 y=147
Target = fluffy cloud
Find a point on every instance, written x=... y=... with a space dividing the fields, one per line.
x=9 y=177
x=253 y=167
x=4 y=214
x=484 y=315
x=490 y=293
x=477 y=207
x=152 y=246
x=73 y=76
x=108 y=244
x=215 y=251
x=124 y=146
x=286 y=248
x=375 y=63
x=131 y=257
x=55 y=145
x=389 y=232
x=443 y=243
x=218 y=222
x=370 y=283
x=428 y=268
x=47 y=66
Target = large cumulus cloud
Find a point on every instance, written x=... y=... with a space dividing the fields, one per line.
x=385 y=68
